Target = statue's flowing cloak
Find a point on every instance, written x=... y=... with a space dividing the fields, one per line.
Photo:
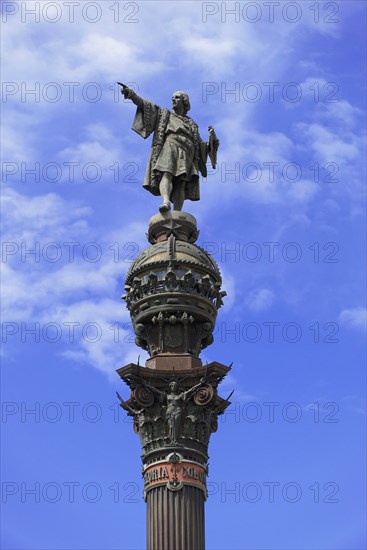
x=152 y=118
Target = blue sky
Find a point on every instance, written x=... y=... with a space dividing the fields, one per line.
x=283 y=215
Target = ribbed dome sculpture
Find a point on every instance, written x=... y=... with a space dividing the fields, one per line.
x=173 y=293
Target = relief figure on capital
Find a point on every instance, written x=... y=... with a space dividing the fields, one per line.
x=175 y=406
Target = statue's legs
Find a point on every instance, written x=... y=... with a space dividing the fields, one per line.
x=178 y=195
x=165 y=189
x=171 y=429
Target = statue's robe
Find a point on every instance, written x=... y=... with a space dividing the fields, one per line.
x=176 y=148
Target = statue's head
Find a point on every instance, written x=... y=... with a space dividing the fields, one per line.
x=181 y=98
x=173 y=387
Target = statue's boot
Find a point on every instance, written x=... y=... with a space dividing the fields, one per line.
x=165 y=207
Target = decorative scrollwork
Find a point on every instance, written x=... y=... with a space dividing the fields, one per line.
x=204 y=395
x=143 y=396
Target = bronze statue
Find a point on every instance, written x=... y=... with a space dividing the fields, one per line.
x=175 y=406
x=178 y=153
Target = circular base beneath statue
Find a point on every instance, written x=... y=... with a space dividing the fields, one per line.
x=179 y=224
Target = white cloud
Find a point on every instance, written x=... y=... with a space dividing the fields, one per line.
x=260 y=299
x=103 y=337
x=229 y=286
x=17 y=146
x=239 y=395
x=41 y=216
x=354 y=318
x=72 y=289
x=336 y=139
x=329 y=145
x=100 y=150
x=343 y=112
x=256 y=166
x=78 y=51
x=210 y=51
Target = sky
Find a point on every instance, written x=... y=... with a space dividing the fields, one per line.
x=283 y=214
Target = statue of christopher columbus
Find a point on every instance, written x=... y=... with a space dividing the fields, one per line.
x=178 y=153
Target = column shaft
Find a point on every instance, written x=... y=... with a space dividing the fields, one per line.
x=175 y=519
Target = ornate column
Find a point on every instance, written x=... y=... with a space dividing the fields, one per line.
x=173 y=295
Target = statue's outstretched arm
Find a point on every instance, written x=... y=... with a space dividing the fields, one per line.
x=160 y=394
x=192 y=390
x=129 y=93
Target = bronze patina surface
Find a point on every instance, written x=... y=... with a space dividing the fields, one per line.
x=178 y=153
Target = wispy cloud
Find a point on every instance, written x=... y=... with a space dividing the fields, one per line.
x=69 y=292
x=260 y=299
x=354 y=318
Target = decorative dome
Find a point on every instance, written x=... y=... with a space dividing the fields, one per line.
x=174 y=253
x=173 y=291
